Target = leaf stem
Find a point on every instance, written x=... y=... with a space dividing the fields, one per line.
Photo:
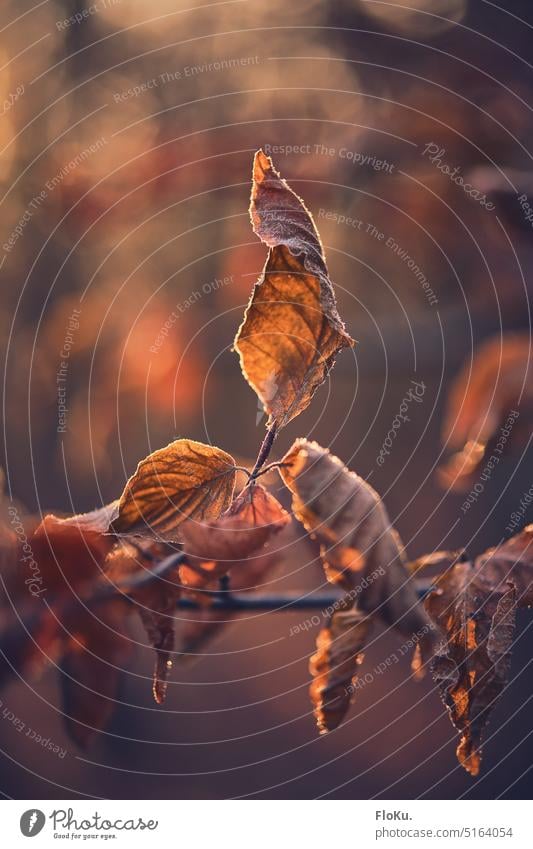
x=271 y=466
x=242 y=469
x=265 y=449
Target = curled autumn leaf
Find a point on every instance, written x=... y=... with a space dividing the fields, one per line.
x=62 y=562
x=213 y=548
x=155 y=593
x=490 y=406
x=469 y=675
x=363 y=554
x=360 y=549
x=250 y=575
x=68 y=556
x=291 y=330
x=474 y=605
x=89 y=582
x=334 y=667
x=184 y=480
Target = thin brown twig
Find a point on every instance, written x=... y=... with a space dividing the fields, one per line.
x=265 y=449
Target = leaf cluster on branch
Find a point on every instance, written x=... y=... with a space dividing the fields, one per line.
x=178 y=528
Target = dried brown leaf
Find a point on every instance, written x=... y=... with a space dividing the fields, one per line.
x=291 y=331
x=89 y=640
x=66 y=555
x=155 y=601
x=183 y=480
x=357 y=541
x=474 y=606
x=247 y=576
x=213 y=548
x=76 y=569
x=97 y=520
x=510 y=563
x=60 y=562
x=495 y=384
x=334 y=666
x=158 y=611
x=471 y=664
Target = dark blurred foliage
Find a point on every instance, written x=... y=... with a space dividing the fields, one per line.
x=154 y=222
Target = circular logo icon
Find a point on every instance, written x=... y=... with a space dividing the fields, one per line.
x=32 y=822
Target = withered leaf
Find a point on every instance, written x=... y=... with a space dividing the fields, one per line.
x=357 y=542
x=59 y=562
x=334 y=666
x=258 y=508
x=474 y=605
x=89 y=641
x=67 y=555
x=155 y=601
x=213 y=548
x=291 y=330
x=488 y=395
x=510 y=563
x=97 y=520
x=82 y=623
x=471 y=664
x=247 y=576
x=436 y=561
x=183 y=480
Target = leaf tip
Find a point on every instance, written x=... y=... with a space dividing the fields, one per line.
x=262 y=164
x=160 y=681
x=471 y=761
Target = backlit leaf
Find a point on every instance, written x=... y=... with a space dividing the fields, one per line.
x=334 y=666
x=155 y=597
x=360 y=549
x=489 y=408
x=291 y=331
x=470 y=675
x=185 y=479
x=66 y=556
x=474 y=605
x=97 y=520
x=213 y=548
x=59 y=565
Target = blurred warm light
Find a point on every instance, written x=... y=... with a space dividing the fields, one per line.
x=416 y=18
